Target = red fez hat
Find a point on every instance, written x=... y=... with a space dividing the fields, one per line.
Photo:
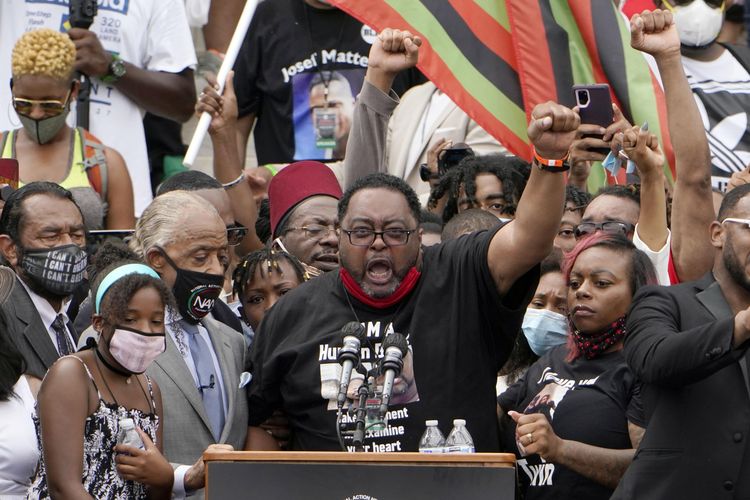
x=296 y=183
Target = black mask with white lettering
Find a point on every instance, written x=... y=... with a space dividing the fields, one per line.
x=57 y=271
x=195 y=292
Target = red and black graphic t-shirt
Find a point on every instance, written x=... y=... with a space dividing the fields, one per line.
x=299 y=70
x=460 y=332
x=590 y=401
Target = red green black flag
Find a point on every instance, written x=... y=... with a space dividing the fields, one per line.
x=497 y=59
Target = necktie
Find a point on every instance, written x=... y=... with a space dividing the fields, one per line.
x=64 y=346
x=208 y=384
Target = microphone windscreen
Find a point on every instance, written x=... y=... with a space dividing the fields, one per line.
x=354 y=329
x=396 y=340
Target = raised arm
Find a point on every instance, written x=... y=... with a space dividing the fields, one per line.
x=391 y=52
x=528 y=239
x=692 y=209
x=227 y=163
x=643 y=148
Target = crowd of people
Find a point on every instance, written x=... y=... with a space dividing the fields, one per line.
x=600 y=334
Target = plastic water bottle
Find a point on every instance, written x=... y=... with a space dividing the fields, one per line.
x=432 y=440
x=128 y=435
x=459 y=440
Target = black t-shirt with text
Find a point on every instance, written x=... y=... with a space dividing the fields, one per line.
x=460 y=332
x=291 y=54
x=589 y=401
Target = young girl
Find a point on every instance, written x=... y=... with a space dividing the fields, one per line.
x=262 y=278
x=85 y=395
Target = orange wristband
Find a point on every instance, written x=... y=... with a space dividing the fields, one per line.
x=558 y=164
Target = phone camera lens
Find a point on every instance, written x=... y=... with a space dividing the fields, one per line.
x=583 y=97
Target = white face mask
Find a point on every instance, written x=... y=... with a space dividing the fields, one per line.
x=697 y=23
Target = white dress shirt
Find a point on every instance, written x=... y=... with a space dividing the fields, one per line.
x=48 y=315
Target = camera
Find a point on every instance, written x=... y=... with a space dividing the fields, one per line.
x=451 y=157
x=82 y=13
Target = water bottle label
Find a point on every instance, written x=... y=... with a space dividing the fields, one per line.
x=462 y=448
x=438 y=449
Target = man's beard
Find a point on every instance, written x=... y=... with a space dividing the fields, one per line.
x=733 y=266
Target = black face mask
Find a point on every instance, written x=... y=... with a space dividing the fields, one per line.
x=195 y=292
x=55 y=271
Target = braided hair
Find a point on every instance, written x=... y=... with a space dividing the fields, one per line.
x=269 y=257
x=511 y=171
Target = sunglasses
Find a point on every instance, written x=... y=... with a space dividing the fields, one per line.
x=235 y=234
x=610 y=227
x=50 y=107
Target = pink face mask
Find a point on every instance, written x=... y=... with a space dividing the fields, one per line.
x=136 y=350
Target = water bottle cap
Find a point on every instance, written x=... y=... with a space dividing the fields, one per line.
x=459 y=421
x=431 y=423
x=127 y=423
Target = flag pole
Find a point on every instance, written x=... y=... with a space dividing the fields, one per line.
x=226 y=66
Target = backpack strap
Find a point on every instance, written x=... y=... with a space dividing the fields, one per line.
x=94 y=161
x=6 y=142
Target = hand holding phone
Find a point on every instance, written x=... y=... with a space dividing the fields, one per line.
x=595 y=109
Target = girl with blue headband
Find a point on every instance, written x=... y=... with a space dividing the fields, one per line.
x=85 y=396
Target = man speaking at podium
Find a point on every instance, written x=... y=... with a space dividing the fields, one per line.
x=459 y=305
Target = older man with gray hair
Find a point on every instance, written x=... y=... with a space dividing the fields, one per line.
x=183 y=238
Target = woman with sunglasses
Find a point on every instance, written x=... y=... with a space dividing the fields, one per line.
x=47 y=149
x=577 y=415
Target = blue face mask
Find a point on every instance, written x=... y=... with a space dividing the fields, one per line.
x=544 y=330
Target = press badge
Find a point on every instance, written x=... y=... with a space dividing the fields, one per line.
x=325 y=122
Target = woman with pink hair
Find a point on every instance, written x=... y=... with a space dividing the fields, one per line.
x=576 y=415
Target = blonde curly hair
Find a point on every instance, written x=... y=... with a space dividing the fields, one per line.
x=44 y=52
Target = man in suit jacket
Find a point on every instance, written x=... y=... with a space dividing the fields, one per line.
x=183 y=238
x=42 y=237
x=689 y=345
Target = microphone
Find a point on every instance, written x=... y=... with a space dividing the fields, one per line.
x=394 y=351
x=348 y=358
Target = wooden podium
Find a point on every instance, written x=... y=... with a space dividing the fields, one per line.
x=359 y=476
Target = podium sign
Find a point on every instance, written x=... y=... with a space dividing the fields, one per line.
x=359 y=476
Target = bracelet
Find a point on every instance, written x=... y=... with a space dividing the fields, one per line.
x=271 y=169
x=230 y=185
x=560 y=165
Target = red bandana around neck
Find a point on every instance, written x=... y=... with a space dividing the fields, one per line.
x=406 y=286
x=592 y=346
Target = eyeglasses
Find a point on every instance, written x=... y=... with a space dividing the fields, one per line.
x=745 y=222
x=611 y=227
x=314 y=231
x=235 y=234
x=50 y=107
x=366 y=237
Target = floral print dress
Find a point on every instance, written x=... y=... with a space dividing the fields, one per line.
x=100 y=477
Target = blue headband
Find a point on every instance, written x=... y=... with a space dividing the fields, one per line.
x=116 y=274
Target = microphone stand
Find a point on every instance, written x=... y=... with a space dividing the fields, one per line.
x=358 y=439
